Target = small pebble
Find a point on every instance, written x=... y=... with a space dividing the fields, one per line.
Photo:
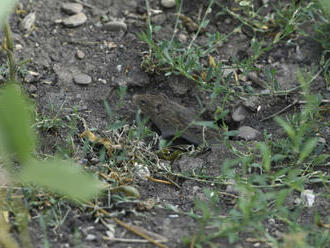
x=103 y=81
x=90 y=237
x=72 y=8
x=115 y=26
x=308 y=197
x=158 y=19
x=119 y=68
x=167 y=3
x=239 y=114
x=248 y=133
x=18 y=47
x=94 y=161
x=252 y=103
x=182 y=38
x=29 y=78
x=32 y=89
x=80 y=54
x=82 y=79
x=75 y=20
x=28 y=21
x=141 y=172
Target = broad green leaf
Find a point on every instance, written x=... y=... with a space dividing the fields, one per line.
x=6 y=6
x=307 y=149
x=16 y=134
x=61 y=176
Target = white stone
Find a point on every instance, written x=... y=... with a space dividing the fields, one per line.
x=167 y=3
x=248 y=133
x=115 y=26
x=72 y=8
x=28 y=21
x=75 y=20
x=82 y=79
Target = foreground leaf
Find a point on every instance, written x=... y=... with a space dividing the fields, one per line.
x=61 y=176
x=6 y=6
x=16 y=135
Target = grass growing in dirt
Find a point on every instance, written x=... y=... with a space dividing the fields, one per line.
x=265 y=181
x=277 y=169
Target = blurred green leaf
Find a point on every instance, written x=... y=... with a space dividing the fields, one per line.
x=16 y=134
x=287 y=127
x=209 y=124
x=307 y=149
x=61 y=176
x=266 y=155
x=326 y=5
x=6 y=7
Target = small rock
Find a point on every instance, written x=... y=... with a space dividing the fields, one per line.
x=119 y=68
x=239 y=114
x=75 y=20
x=308 y=197
x=179 y=84
x=82 y=79
x=228 y=21
x=29 y=78
x=158 y=19
x=103 y=81
x=18 y=47
x=80 y=54
x=248 y=133
x=72 y=8
x=115 y=26
x=32 y=89
x=134 y=78
x=19 y=6
x=182 y=38
x=28 y=21
x=90 y=237
x=252 y=103
x=141 y=172
x=94 y=161
x=256 y=80
x=189 y=164
x=167 y=3
x=228 y=71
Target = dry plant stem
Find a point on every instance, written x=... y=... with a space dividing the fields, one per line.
x=10 y=52
x=132 y=229
x=149 y=21
x=208 y=11
x=176 y=22
x=6 y=240
x=139 y=233
x=289 y=106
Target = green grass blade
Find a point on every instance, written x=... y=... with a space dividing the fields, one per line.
x=307 y=149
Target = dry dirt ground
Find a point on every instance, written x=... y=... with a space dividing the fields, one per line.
x=113 y=59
